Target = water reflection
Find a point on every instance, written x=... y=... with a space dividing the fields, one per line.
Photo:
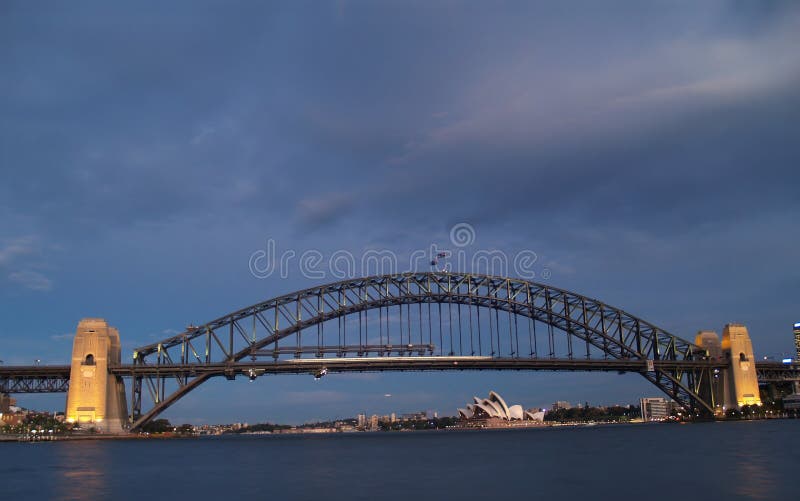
x=748 y=461
x=753 y=476
x=81 y=470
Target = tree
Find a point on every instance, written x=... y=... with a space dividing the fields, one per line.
x=158 y=426
x=186 y=429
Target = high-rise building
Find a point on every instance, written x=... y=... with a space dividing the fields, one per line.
x=797 y=339
x=362 y=421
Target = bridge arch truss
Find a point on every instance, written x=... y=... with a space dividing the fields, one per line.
x=420 y=321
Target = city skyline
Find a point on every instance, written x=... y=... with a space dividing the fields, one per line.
x=655 y=171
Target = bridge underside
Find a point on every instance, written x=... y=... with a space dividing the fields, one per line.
x=34 y=379
x=407 y=364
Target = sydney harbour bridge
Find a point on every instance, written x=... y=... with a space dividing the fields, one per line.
x=426 y=321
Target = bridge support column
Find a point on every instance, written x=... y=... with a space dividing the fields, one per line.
x=716 y=391
x=738 y=350
x=96 y=398
x=738 y=384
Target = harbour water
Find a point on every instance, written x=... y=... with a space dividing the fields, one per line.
x=738 y=460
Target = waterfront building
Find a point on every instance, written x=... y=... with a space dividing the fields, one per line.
x=655 y=408
x=496 y=407
x=11 y=419
x=373 y=422
x=6 y=402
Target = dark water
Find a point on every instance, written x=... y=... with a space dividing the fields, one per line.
x=747 y=460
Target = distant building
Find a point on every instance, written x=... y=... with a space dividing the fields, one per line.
x=6 y=402
x=496 y=407
x=561 y=405
x=415 y=416
x=373 y=422
x=11 y=419
x=361 y=422
x=797 y=339
x=394 y=417
x=791 y=402
x=655 y=408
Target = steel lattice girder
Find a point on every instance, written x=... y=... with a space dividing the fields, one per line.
x=777 y=372
x=28 y=384
x=611 y=329
x=34 y=379
x=230 y=339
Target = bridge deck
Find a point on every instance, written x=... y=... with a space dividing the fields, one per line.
x=34 y=371
x=353 y=364
x=55 y=378
x=34 y=379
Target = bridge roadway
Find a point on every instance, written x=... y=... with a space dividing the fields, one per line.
x=55 y=378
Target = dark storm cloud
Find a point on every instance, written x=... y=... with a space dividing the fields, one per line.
x=120 y=117
x=108 y=114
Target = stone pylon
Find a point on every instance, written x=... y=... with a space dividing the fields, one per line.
x=738 y=384
x=96 y=398
x=738 y=350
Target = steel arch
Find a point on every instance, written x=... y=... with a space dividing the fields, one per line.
x=257 y=331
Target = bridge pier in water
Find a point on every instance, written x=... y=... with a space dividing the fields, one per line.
x=96 y=398
x=736 y=385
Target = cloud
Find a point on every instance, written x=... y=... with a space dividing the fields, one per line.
x=324 y=209
x=14 y=248
x=31 y=280
x=18 y=255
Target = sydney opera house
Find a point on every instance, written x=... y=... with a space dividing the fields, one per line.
x=495 y=407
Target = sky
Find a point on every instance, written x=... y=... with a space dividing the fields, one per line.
x=645 y=152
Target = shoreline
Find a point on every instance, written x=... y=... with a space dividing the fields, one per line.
x=313 y=431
